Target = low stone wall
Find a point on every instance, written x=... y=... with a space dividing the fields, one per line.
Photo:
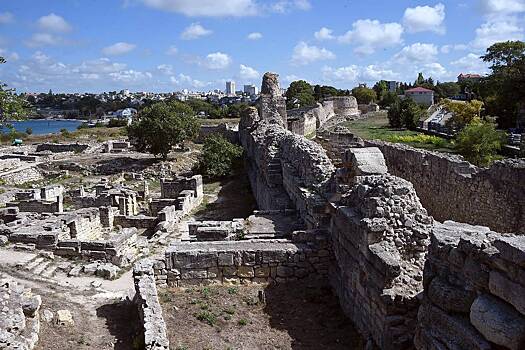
x=336 y=141
x=17 y=177
x=474 y=295
x=260 y=261
x=150 y=312
x=61 y=147
x=453 y=189
x=139 y=221
x=38 y=206
x=229 y=132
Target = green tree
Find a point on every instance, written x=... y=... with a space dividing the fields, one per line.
x=405 y=113
x=462 y=112
x=447 y=89
x=219 y=156
x=300 y=93
x=388 y=99
x=162 y=126
x=12 y=106
x=504 y=89
x=364 y=95
x=381 y=89
x=479 y=142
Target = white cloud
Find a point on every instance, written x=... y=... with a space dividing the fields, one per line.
x=449 y=48
x=248 y=73
x=6 y=18
x=416 y=53
x=206 y=8
x=101 y=65
x=194 y=31
x=304 y=54
x=129 y=76
x=165 y=69
x=188 y=81
x=354 y=74
x=373 y=73
x=284 y=6
x=434 y=70
x=119 y=48
x=346 y=74
x=172 y=51
x=496 y=30
x=254 y=36
x=492 y=7
x=425 y=18
x=53 y=23
x=370 y=35
x=44 y=39
x=324 y=34
x=471 y=63
x=217 y=60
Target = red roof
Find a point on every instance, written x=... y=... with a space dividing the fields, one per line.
x=419 y=89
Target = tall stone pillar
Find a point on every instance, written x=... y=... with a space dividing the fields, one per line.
x=272 y=104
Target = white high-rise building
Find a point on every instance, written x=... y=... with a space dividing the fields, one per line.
x=230 y=88
x=250 y=90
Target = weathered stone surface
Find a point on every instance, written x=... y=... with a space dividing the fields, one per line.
x=512 y=293
x=498 y=322
x=512 y=249
x=64 y=318
x=450 y=298
x=366 y=161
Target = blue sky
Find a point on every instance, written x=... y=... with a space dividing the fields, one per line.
x=168 y=45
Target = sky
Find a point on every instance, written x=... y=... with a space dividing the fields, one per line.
x=170 y=45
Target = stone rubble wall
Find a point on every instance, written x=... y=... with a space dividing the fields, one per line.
x=22 y=176
x=61 y=147
x=336 y=141
x=229 y=132
x=474 y=295
x=453 y=189
x=172 y=188
x=19 y=316
x=285 y=170
x=259 y=261
x=38 y=206
x=155 y=335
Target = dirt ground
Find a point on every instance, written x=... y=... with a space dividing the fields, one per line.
x=234 y=317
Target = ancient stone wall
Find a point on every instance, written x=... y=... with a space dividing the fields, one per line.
x=453 y=189
x=61 y=147
x=150 y=312
x=336 y=141
x=229 y=132
x=260 y=261
x=474 y=295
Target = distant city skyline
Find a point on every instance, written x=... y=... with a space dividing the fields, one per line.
x=171 y=45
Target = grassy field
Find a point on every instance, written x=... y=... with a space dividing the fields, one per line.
x=94 y=134
x=376 y=127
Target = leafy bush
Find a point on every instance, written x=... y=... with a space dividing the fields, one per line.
x=419 y=138
x=479 y=142
x=207 y=317
x=115 y=123
x=219 y=156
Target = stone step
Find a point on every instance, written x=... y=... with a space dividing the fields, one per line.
x=34 y=263
x=38 y=270
x=50 y=271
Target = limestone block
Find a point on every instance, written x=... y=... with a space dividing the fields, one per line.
x=245 y=271
x=450 y=298
x=499 y=322
x=262 y=272
x=64 y=318
x=285 y=271
x=512 y=249
x=507 y=290
x=107 y=271
x=366 y=161
x=31 y=305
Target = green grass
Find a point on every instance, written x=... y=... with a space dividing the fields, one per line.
x=376 y=127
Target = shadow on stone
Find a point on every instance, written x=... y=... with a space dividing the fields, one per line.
x=122 y=322
x=309 y=312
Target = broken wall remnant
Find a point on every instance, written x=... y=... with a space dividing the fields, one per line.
x=20 y=319
x=474 y=296
x=62 y=147
x=453 y=189
x=154 y=333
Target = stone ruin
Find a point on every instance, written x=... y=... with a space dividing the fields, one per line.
x=404 y=279
x=19 y=316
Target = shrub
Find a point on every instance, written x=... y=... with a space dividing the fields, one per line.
x=394 y=115
x=207 y=317
x=419 y=138
x=219 y=156
x=116 y=123
x=405 y=113
x=479 y=142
